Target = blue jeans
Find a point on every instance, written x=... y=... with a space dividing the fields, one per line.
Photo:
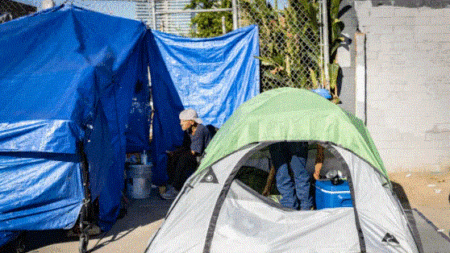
x=293 y=180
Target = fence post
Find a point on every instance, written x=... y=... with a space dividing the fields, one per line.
x=224 y=29
x=326 y=46
x=235 y=14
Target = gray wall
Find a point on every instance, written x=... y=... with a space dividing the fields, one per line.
x=346 y=56
x=407 y=84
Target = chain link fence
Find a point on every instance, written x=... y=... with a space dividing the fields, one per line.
x=289 y=30
x=290 y=41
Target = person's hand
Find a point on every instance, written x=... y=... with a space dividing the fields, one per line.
x=316 y=175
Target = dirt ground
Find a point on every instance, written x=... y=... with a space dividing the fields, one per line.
x=428 y=192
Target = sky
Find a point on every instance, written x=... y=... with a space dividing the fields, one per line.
x=124 y=9
x=281 y=3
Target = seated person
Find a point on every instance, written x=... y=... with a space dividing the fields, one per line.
x=184 y=160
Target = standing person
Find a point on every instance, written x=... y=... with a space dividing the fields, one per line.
x=293 y=180
x=184 y=160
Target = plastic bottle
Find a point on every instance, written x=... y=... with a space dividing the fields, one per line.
x=144 y=158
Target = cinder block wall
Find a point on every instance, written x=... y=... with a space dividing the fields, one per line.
x=408 y=84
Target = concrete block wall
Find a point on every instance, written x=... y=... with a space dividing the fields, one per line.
x=408 y=84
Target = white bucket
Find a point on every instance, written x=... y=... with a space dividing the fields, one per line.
x=139 y=180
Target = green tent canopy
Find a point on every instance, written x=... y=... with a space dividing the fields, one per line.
x=289 y=114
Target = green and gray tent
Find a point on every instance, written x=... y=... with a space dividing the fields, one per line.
x=219 y=211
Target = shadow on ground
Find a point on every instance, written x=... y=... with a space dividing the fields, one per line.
x=38 y=239
x=140 y=212
x=401 y=194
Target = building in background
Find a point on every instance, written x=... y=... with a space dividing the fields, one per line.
x=165 y=15
x=395 y=77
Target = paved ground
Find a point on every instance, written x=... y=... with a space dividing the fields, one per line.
x=428 y=192
x=432 y=240
x=425 y=196
x=132 y=233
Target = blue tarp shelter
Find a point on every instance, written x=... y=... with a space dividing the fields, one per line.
x=65 y=78
x=70 y=76
x=214 y=76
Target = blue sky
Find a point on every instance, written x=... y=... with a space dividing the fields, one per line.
x=124 y=9
x=281 y=3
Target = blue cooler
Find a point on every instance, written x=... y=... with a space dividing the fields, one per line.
x=330 y=196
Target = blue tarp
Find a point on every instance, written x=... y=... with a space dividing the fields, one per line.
x=67 y=75
x=71 y=76
x=137 y=131
x=213 y=76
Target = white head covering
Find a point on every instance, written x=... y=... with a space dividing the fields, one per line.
x=190 y=114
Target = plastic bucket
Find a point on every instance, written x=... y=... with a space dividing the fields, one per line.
x=139 y=180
